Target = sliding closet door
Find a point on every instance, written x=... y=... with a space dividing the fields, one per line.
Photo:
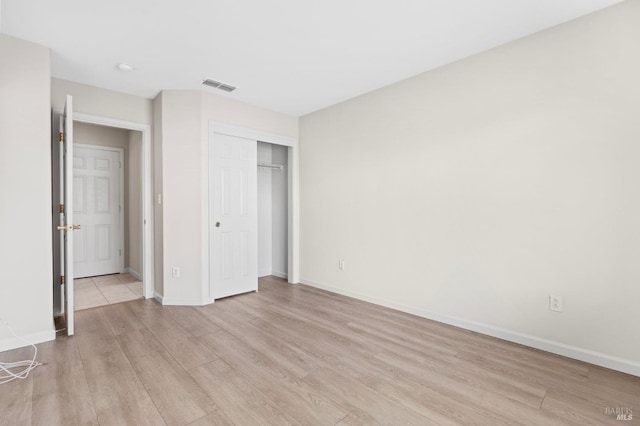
x=233 y=215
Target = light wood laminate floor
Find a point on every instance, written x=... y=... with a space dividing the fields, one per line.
x=298 y=355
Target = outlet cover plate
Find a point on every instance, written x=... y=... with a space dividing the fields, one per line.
x=555 y=303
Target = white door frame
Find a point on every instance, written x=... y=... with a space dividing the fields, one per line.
x=147 y=177
x=293 y=216
x=120 y=152
x=66 y=199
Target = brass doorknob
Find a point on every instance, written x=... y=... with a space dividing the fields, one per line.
x=68 y=227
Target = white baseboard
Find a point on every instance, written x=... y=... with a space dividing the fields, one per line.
x=282 y=275
x=273 y=273
x=158 y=297
x=35 y=338
x=133 y=272
x=171 y=301
x=581 y=354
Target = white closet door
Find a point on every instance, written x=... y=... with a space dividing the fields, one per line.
x=96 y=182
x=233 y=216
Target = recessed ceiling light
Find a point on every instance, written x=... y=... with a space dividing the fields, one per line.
x=125 y=67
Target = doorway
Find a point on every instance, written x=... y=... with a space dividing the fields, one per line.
x=131 y=244
x=107 y=205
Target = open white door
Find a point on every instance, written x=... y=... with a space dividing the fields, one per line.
x=66 y=212
x=233 y=215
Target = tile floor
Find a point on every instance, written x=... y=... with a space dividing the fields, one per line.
x=106 y=290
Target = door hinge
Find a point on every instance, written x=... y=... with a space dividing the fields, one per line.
x=61 y=279
x=120 y=252
x=60 y=137
x=61 y=208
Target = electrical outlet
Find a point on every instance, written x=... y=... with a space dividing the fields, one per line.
x=341 y=264
x=555 y=303
x=175 y=272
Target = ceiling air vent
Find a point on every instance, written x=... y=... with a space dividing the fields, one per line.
x=218 y=85
x=226 y=88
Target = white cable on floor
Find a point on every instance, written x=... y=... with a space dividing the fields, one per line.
x=6 y=375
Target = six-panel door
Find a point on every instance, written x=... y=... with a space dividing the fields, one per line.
x=96 y=202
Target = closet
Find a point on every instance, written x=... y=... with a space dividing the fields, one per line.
x=272 y=210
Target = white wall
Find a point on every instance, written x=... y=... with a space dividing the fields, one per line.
x=93 y=134
x=25 y=190
x=183 y=140
x=102 y=102
x=472 y=192
x=180 y=162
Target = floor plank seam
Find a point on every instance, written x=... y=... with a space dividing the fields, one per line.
x=542 y=400
x=137 y=375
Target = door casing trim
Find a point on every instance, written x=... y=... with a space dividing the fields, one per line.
x=147 y=198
